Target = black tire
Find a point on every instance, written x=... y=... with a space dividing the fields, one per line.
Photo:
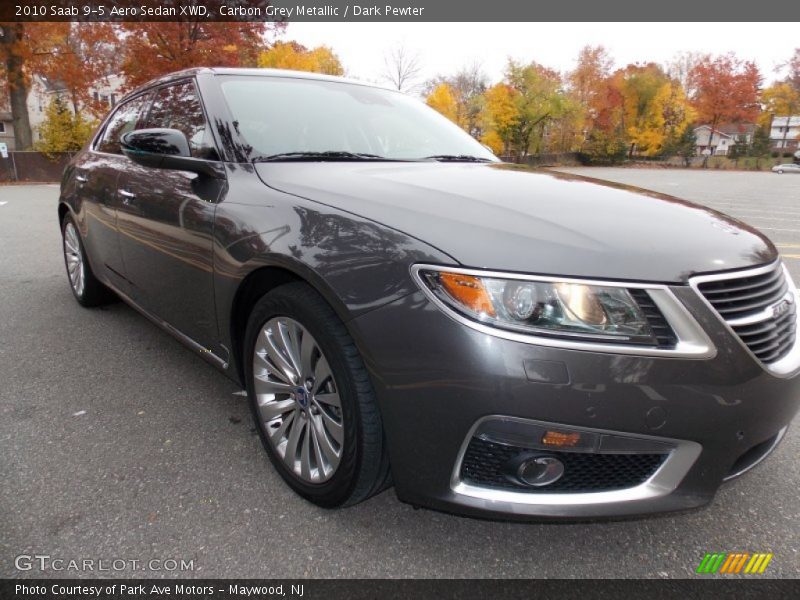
x=92 y=293
x=363 y=469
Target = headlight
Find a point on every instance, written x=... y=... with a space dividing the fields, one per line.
x=554 y=308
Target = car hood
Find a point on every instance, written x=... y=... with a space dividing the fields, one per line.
x=502 y=217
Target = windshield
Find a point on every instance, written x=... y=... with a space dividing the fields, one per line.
x=286 y=116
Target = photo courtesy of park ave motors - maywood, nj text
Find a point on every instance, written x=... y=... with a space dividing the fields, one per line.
x=300 y=291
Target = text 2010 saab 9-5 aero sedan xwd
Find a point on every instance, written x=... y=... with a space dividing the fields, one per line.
x=405 y=309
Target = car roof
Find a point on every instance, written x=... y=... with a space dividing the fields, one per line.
x=253 y=72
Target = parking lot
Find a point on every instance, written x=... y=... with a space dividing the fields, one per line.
x=119 y=443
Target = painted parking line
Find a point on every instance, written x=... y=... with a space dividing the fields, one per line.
x=796 y=256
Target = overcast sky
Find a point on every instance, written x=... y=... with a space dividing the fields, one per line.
x=445 y=47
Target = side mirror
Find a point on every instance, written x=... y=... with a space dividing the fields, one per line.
x=166 y=149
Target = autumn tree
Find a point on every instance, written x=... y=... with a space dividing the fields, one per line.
x=443 y=100
x=725 y=89
x=156 y=48
x=587 y=83
x=656 y=110
x=587 y=80
x=467 y=87
x=63 y=130
x=538 y=99
x=77 y=55
x=291 y=55
x=499 y=118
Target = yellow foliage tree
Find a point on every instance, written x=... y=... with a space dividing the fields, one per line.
x=656 y=110
x=443 y=100
x=500 y=116
x=780 y=100
x=291 y=55
x=62 y=131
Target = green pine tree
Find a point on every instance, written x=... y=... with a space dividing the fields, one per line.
x=761 y=145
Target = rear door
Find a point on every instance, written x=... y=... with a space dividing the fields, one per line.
x=166 y=220
x=96 y=178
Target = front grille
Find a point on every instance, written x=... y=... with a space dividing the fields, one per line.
x=487 y=464
x=738 y=298
x=665 y=337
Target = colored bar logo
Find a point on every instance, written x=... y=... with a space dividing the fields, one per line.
x=734 y=563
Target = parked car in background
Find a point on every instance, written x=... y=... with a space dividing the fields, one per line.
x=403 y=308
x=786 y=168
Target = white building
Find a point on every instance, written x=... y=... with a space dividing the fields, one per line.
x=723 y=138
x=785 y=133
x=105 y=90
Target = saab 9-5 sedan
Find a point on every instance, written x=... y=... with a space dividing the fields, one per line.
x=405 y=309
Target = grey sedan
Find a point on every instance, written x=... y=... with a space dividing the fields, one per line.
x=404 y=309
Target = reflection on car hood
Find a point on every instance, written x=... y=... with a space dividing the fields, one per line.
x=506 y=218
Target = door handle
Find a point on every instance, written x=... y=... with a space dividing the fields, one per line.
x=81 y=178
x=127 y=197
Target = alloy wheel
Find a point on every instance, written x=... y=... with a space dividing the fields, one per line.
x=74 y=258
x=298 y=400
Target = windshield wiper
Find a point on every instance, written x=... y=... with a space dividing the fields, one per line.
x=327 y=155
x=457 y=158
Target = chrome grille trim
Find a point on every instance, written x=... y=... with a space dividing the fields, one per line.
x=680 y=459
x=759 y=306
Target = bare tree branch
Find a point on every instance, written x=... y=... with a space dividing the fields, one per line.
x=402 y=69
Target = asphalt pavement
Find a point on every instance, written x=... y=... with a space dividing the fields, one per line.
x=118 y=443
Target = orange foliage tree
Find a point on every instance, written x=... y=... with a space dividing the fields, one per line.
x=725 y=89
x=153 y=49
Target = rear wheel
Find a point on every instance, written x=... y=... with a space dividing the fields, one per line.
x=86 y=288
x=312 y=400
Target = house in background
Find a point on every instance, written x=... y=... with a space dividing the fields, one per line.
x=6 y=127
x=105 y=91
x=6 y=123
x=723 y=138
x=784 y=133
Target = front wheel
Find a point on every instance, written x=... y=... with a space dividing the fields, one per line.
x=312 y=400
x=86 y=288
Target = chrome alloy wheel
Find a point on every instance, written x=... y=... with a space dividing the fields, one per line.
x=298 y=400
x=74 y=258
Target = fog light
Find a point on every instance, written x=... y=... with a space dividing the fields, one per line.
x=540 y=471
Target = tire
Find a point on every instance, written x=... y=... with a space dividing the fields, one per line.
x=289 y=333
x=86 y=288
x=780 y=172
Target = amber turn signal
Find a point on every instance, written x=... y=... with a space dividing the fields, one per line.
x=560 y=439
x=468 y=291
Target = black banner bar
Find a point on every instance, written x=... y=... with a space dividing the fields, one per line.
x=740 y=588
x=400 y=10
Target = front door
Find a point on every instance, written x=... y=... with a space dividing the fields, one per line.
x=166 y=220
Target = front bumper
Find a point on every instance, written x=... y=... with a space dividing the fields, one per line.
x=436 y=379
